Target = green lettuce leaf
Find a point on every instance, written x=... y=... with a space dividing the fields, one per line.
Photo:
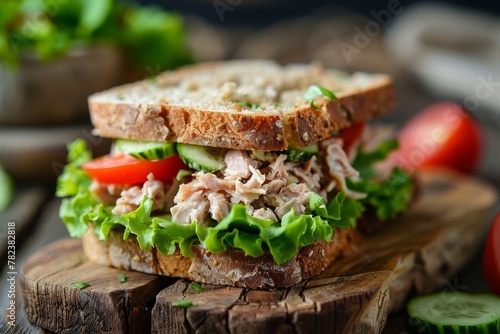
x=73 y=177
x=154 y=39
x=341 y=211
x=243 y=231
x=238 y=230
x=139 y=223
x=166 y=235
x=364 y=161
x=103 y=221
x=351 y=211
x=75 y=182
x=390 y=197
x=75 y=211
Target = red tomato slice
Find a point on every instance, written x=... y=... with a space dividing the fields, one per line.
x=491 y=257
x=351 y=134
x=441 y=135
x=125 y=169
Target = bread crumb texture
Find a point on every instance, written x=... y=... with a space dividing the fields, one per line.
x=265 y=85
x=240 y=104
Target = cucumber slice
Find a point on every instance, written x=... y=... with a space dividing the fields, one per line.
x=263 y=156
x=146 y=150
x=455 y=312
x=202 y=158
x=302 y=155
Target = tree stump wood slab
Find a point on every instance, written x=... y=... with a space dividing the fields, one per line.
x=416 y=254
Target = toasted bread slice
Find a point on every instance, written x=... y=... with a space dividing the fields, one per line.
x=231 y=267
x=250 y=105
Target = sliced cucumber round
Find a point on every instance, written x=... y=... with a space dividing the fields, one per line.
x=303 y=154
x=202 y=158
x=455 y=312
x=146 y=150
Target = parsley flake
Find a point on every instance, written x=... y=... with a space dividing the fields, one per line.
x=122 y=277
x=248 y=105
x=197 y=287
x=80 y=285
x=314 y=91
x=182 y=303
x=153 y=80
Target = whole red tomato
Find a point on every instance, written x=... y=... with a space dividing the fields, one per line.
x=491 y=257
x=443 y=134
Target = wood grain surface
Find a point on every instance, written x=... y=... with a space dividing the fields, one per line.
x=23 y=208
x=355 y=295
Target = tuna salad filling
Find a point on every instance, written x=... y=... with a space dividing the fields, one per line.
x=253 y=201
x=267 y=188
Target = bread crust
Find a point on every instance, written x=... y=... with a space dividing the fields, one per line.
x=269 y=130
x=308 y=125
x=231 y=267
x=162 y=122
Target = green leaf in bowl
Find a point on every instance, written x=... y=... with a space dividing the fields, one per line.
x=6 y=189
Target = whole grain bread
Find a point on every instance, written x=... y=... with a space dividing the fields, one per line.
x=231 y=267
x=241 y=104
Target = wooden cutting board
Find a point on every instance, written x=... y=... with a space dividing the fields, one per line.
x=416 y=254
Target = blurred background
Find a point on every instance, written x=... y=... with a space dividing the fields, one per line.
x=54 y=53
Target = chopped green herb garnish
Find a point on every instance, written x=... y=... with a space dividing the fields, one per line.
x=122 y=277
x=182 y=303
x=80 y=285
x=248 y=105
x=197 y=287
x=314 y=91
x=153 y=79
x=342 y=76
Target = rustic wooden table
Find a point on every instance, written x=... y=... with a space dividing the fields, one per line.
x=34 y=211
